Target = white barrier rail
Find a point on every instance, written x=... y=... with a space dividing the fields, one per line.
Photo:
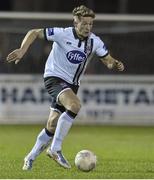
x=68 y=16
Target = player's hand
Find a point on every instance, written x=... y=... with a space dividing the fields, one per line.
x=15 y=56
x=119 y=65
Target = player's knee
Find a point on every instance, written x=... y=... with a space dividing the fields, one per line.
x=74 y=106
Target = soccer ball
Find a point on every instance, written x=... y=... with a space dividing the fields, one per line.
x=85 y=160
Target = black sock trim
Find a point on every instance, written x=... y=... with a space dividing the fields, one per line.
x=71 y=114
x=49 y=133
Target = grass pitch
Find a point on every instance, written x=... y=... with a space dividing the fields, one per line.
x=122 y=152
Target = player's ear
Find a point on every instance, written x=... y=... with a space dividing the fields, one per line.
x=74 y=23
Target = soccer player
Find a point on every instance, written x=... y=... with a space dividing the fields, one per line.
x=72 y=49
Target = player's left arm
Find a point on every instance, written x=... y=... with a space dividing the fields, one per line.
x=112 y=63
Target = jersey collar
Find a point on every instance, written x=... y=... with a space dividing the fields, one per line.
x=77 y=37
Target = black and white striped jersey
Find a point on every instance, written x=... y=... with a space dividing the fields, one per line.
x=70 y=55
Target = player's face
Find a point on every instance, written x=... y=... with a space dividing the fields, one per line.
x=84 y=26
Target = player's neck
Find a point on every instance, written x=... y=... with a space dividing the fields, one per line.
x=79 y=35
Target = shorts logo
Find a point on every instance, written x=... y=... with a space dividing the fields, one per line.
x=64 y=85
x=76 y=57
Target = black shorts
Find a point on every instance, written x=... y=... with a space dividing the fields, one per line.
x=55 y=86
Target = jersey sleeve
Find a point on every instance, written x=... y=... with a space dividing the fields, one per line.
x=101 y=49
x=53 y=34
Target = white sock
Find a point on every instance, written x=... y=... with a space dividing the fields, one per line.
x=42 y=142
x=63 y=126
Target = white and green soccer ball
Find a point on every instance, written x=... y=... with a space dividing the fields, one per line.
x=85 y=160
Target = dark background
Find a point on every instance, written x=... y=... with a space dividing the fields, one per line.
x=99 y=6
x=131 y=42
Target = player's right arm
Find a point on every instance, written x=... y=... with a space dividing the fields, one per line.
x=31 y=36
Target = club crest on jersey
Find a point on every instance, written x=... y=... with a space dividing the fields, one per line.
x=76 y=57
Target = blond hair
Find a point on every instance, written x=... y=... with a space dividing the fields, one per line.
x=83 y=11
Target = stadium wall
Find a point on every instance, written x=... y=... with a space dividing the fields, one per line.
x=115 y=100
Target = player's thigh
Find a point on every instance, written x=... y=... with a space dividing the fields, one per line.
x=70 y=100
x=52 y=120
